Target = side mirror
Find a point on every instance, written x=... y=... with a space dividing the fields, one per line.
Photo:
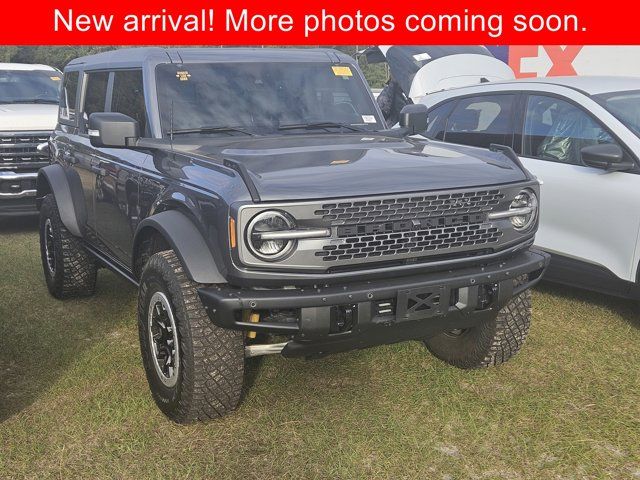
x=113 y=130
x=606 y=156
x=414 y=118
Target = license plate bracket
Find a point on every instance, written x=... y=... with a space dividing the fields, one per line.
x=422 y=303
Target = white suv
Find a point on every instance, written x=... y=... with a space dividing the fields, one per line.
x=581 y=137
x=28 y=114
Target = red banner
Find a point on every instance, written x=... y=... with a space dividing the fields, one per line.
x=348 y=22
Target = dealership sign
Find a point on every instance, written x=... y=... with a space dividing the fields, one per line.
x=555 y=60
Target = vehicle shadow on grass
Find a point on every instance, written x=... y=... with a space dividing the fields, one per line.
x=628 y=310
x=41 y=337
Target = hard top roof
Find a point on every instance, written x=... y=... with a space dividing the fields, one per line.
x=132 y=57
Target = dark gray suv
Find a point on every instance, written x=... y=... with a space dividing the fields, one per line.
x=260 y=204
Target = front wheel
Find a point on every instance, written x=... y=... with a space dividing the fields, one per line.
x=492 y=342
x=69 y=269
x=195 y=369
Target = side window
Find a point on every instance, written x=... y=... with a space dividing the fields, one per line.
x=557 y=130
x=95 y=97
x=481 y=121
x=128 y=96
x=68 y=97
x=438 y=120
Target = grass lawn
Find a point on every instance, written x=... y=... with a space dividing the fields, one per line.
x=74 y=401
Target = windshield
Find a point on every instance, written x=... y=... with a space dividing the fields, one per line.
x=29 y=86
x=263 y=98
x=625 y=106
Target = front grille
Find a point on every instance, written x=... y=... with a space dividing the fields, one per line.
x=397 y=226
x=19 y=150
x=375 y=231
x=424 y=206
x=417 y=242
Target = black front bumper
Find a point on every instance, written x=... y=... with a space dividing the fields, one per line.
x=17 y=193
x=382 y=311
x=18 y=207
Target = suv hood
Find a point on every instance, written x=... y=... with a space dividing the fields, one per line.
x=310 y=167
x=18 y=117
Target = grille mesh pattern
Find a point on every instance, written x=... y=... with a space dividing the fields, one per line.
x=417 y=242
x=21 y=149
x=421 y=240
x=404 y=208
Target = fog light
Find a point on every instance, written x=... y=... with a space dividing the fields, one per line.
x=343 y=318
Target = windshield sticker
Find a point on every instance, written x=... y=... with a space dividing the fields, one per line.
x=183 y=75
x=55 y=79
x=421 y=57
x=369 y=118
x=342 y=71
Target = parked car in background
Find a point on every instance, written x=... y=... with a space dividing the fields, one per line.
x=581 y=137
x=29 y=96
x=258 y=191
x=423 y=69
x=417 y=70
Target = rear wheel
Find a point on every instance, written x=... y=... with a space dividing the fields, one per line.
x=69 y=270
x=492 y=342
x=195 y=369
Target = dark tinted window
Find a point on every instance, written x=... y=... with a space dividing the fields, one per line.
x=128 y=96
x=438 y=120
x=481 y=121
x=95 y=93
x=557 y=130
x=68 y=97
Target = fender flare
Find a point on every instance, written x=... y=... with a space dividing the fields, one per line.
x=66 y=187
x=187 y=242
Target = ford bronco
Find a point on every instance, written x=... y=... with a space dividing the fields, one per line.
x=259 y=203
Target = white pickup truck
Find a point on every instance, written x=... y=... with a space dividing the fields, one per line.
x=28 y=114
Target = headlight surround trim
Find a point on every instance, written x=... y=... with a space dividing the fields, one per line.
x=284 y=247
x=526 y=198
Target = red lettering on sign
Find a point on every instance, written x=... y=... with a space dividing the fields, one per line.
x=516 y=54
x=562 y=59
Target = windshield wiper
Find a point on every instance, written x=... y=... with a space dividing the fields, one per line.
x=225 y=129
x=31 y=100
x=317 y=125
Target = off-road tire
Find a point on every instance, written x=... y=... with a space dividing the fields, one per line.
x=492 y=342
x=74 y=269
x=210 y=376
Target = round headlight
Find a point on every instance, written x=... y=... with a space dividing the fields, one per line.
x=526 y=202
x=270 y=221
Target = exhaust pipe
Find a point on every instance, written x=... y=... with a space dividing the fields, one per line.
x=259 y=350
